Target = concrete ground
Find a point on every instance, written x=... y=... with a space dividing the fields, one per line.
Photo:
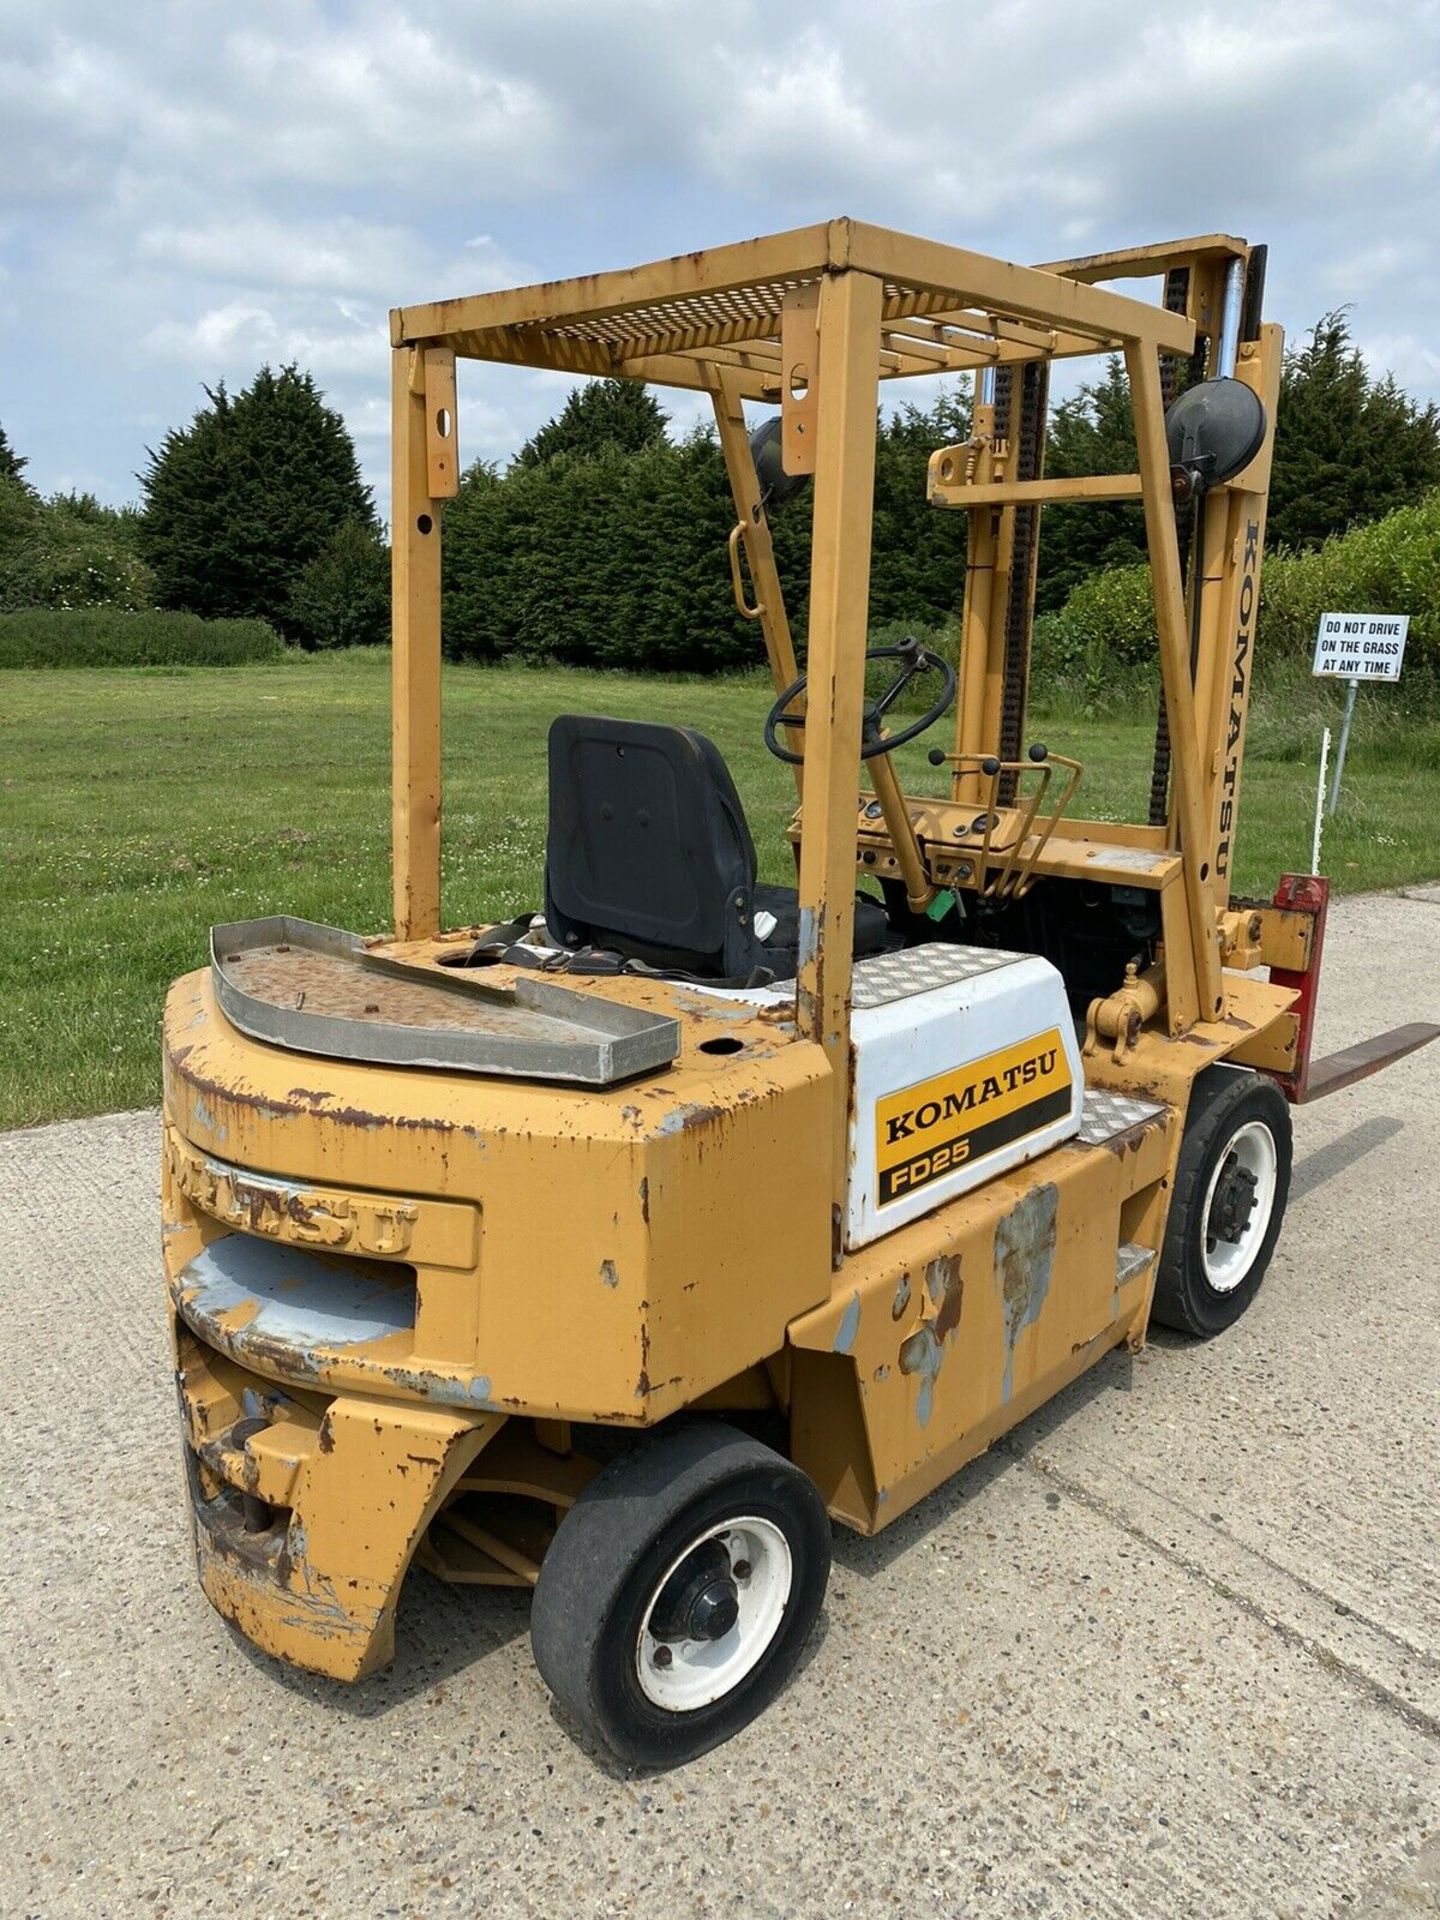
x=1172 y=1649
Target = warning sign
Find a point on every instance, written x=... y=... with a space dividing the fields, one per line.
x=1361 y=646
x=932 y=1128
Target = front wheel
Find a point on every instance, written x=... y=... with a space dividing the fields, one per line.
x=679 y=1591
x=1231 y=1184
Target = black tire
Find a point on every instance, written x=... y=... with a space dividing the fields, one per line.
x=618 y=1547
x=1226 y=1104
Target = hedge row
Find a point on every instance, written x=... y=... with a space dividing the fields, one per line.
x=110 y=637
x=1389 y=566
x=617 y=558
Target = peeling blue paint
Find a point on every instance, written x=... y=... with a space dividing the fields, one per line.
x=809 y=940
x=688 y=1114
x=1024 y=1262
x=205 y=1115
x=922 y=1353
x=442 y=1390
x=300 y=1302
x=849 y=1325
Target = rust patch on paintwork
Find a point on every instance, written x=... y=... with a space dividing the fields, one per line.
x=1132 y=1139
x=777 y=1014
x=237 y=1096
x=609 y=1273
x=642 y=1385
x=361 y=1117
x=902 y=1298
x=645 y=1199
x=947 y=1291
x=304 y=1099
x=690 y=1117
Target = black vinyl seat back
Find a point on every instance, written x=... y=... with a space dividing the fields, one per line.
x=648 y=852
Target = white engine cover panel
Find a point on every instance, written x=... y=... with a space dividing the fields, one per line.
x=966 y=1064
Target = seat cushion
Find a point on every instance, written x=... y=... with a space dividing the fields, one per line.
x=782 y=944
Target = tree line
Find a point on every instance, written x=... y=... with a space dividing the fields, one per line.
x=602 y=541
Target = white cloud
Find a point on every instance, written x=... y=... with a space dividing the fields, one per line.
x=1414 y=362
x=340 y=255
x=240 y=335
x=192 y=187
x=278 y=93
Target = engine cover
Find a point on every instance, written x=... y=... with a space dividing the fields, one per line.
x=966 y=1064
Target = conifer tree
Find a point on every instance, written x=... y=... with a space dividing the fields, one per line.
x=239 y=503
x=599 y=414
x=1349 y=448
x=12 y=464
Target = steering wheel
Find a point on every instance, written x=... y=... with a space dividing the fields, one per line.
x=915 y=661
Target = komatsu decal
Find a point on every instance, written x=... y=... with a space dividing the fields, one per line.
x=928 y=1130
x=1239 y=698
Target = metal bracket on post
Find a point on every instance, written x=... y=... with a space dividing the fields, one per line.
x=442 y=451
x=799 y=364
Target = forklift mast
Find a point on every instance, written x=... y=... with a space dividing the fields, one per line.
x=1205 y=536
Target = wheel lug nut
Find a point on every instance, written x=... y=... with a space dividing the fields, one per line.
x=741 y=1569
x=663 y=1656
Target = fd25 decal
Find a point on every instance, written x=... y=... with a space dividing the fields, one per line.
x=928 y=1130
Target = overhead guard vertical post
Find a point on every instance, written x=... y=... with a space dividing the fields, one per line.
x=1143 y=367
x=414 y=658
x=849 y=328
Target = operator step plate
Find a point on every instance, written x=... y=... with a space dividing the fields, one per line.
x=1105 y=1116
x=896 y=976
x=1131 y=1260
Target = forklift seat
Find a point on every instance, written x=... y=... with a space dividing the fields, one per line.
x=649 y=855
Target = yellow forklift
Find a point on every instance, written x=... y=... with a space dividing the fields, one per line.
x=617 y=1250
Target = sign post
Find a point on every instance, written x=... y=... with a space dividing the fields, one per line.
x=1355 y=647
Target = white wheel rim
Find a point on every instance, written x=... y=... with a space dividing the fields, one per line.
x=698 y=1672
x=1226 y=1262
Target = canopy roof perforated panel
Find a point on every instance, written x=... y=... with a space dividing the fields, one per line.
x=945 y=309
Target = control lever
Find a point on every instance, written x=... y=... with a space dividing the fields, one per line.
x=1013 y=881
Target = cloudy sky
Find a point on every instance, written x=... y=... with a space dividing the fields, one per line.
x=190 y=188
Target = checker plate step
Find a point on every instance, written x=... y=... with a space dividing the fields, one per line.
x=1106 y=1115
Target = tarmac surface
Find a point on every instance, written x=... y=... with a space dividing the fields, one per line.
x=1172 y=1648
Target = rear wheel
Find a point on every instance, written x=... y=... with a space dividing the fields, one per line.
x=1231 y=1185
x=679 y=1592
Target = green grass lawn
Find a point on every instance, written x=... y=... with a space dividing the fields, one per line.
x=139 y=805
